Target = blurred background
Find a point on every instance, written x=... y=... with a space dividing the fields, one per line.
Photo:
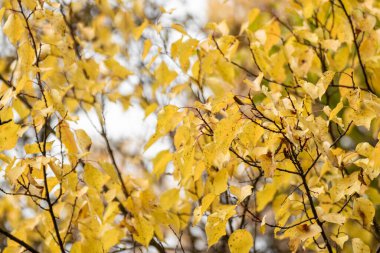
x=130 y=128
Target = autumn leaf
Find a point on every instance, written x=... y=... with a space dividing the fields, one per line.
x=364 y=211
x=240 y=241
x=8 y=135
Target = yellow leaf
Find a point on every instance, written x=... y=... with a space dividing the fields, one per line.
x=199 y=211
x=364 y=149
x=268 y=164
x=67 y=138
x=273 y=34
x=240 y=241
x=331 y=44
x=364 y=211
x=117 y=69
x=184 y=50
x=168 y=119
x=150 y=108
x=228 y=45
x=160 y=162
x=253 y=14
x=110 y=171
x=360 y=118
x=344 y=186
x=14 y=172
x=262 y=59
x=198 y=170
x=8 y=135
x=111 y=212
x=169 y=198
x=335 y=111
x=144 y=231
x=179 y=28
x=222 y=27
x=215 y=228
x=57 y=170
x=95 y=202
x=164 y=76
x=334 y=218
x=263 y=224
x=358 y=246
x=92 y=245
x=308 y=8
x=147 y=46
x=26 y=55
x=216 y=224
x=304 y=231
x=340 y=240
x=256 y=84
x=374 y=195
x=76 y=248
x=2 y=11
x=110 y=238
x=340 y=58
x=265 y=196
x=34 y=148
x=13 y=28
x=220 y=182
x=4 y=158
x=317 y=91
x=84 y=140
x=241 y=192
x=93 y=177
x=369 y=46
x=30 y=4
x=324 y=82
x=137 y=32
